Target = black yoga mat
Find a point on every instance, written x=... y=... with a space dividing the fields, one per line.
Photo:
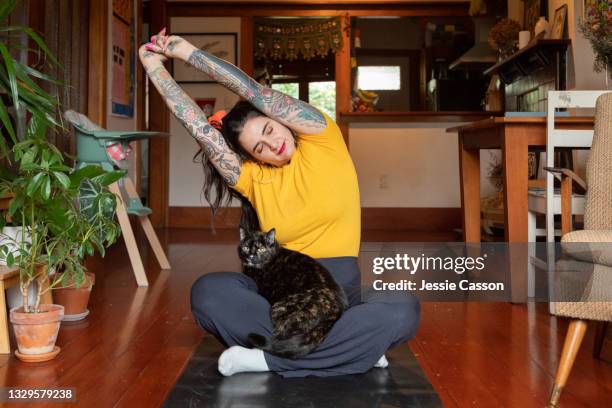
x=402 y=384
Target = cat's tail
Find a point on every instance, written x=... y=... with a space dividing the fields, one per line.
x=293 y=347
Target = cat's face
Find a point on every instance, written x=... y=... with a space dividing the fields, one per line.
x=256 y=248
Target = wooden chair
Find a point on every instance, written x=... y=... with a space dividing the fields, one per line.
x=92 y=141
x=583 y=281
x=548 y=201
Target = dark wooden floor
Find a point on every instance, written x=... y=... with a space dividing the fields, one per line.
x=136 y=341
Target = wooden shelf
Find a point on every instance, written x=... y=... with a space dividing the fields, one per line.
x=529 y=59
x=415 y=116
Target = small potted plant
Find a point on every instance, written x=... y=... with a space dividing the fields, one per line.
x=95 y=225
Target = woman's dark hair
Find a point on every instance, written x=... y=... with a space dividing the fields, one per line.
x=215 y=190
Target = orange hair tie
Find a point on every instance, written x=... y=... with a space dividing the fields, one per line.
x=216 y=120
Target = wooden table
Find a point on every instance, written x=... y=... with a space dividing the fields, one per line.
x=515 y=136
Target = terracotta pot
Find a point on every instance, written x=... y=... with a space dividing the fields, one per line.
x=36 y=333
x=75 y=300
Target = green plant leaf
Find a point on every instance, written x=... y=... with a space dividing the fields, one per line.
x=62 y=178
x=47 y=187
x=10 y=70
x=6 y=121
x=39 y=41
x=110 y=177
x=34 y=184
x=10 y=259
x=16 y=203
x=6 y=8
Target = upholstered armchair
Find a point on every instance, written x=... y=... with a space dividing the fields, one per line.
x=583 y=277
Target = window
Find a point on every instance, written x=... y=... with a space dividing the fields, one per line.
x=290 y=88
x=323 y=96
x=379 y=78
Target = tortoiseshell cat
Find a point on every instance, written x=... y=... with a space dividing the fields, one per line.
x=305 y=299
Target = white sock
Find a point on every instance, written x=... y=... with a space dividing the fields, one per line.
x=382 y=362
x=237 y=359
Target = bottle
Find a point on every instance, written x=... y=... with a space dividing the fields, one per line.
x=542 y=28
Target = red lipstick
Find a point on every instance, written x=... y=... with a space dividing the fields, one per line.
x=282 y=149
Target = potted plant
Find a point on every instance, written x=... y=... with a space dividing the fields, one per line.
x=62 y=227
x=95 y=225
x=59 y=227
x=596 y=26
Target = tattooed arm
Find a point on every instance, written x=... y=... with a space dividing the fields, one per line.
x=226 y=161
x=293 y=113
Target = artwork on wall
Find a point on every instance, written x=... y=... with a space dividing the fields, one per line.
x=207 y=105
x=221 y=45
x=558 y=24
x=123 y=59
x=531 y=14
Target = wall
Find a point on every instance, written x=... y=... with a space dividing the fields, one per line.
x=406 y=165
x=186 y=177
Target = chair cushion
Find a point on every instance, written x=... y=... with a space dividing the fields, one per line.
x=589 y=245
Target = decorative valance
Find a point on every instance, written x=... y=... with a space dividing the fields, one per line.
x=289 y=39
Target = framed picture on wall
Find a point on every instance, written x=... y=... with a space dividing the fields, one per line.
x=531 y=14
x=221 y=45
x=558 y=24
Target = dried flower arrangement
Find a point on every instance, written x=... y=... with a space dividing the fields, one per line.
x=504 y=36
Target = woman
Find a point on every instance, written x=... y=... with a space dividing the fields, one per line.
x=290 y=161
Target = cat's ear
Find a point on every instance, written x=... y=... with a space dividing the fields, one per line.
x=243 y=234
x=271 y=236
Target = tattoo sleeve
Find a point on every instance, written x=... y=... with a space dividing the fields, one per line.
x=294 y=113
x=193 y=119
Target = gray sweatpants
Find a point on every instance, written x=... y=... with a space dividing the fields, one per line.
x=227 y=305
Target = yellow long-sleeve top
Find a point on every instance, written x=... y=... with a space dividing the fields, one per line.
x=313 y=201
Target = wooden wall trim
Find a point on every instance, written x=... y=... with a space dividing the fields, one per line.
x=372 y=218
x=247 y=54
x=140 y=103
x=343 y=77
x=318 y=8
x=97 y=61
x=159 y=148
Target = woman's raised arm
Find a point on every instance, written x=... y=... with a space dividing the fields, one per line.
x=293 y=113
x=225 y=160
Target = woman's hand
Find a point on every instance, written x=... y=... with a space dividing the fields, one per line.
x=172 y=46
x=149 y=57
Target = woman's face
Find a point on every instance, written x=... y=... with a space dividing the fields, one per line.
x=267 y=141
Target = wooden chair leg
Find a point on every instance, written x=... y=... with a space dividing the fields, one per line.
x=145 y=222
x=128 y=237
x=573 y=339
x=601 y=328
x=5 y=347
x=566 y=205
